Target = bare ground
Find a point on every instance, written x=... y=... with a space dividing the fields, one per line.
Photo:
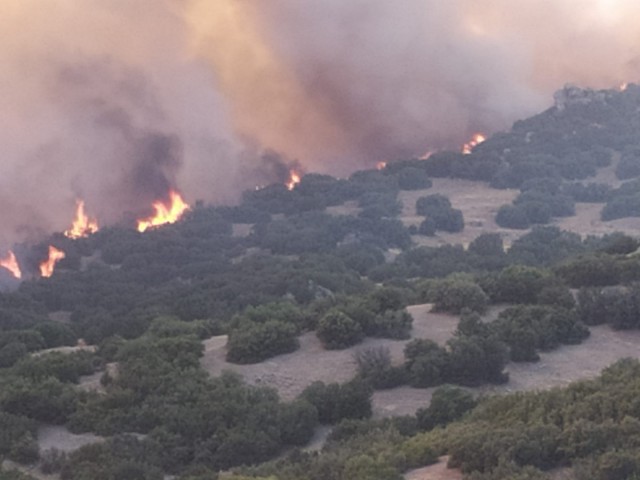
x=479 y=204
x=56 y=436
x=587 y=222
x=437 y=471
x=291 y=373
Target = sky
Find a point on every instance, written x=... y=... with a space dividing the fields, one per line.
x=118 y=101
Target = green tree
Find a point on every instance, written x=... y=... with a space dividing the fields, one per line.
x=336 y=331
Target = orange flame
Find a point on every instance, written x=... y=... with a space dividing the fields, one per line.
x=83 y=226
x=623 y=86
x=165 y=213
x=477 y=139
x=426 y=155
x=11 y=263
x=294 y=179
x=47 y=267
x=381 y=165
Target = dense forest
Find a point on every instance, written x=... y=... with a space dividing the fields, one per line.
x=146 y=301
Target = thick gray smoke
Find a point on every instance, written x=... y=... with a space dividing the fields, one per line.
x=116 y=101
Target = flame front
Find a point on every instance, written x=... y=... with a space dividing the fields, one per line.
x=47 y=267
x=294 y=179
x=476 y=140
x=11 y=263
x=165 y=213
x=426 y=155
x=381 y=165
x=83 y=226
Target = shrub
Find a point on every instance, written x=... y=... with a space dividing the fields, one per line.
x=337 y=401
x=455 y=294
x=487 y=245
x=512 y=216
x=256 y=342
x=426 y=363
x=430 y=203
x=336 y=331
x=394 y=324
x=447 y=405
x=374 y=366
x=411 y=178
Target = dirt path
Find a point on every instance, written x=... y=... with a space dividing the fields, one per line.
x=437 y=471
x=56 y=436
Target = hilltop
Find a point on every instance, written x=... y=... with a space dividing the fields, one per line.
x=343 y=299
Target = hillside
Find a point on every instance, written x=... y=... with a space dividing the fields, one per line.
x=350 y=306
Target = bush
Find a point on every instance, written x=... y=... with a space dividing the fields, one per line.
x=426 y=363
x=519 y=284
x=447 y=405
x=336 y=331
x=335 y=402
x=298 y=420
x=621 y=207
x=438 y=209
x=590 y=270
x=589 y=193
x=629 y=165
x=52 y=460
x=529 y=328
x=430 y=203
x=428 y=227
x=455 y=294
x=11 y=353
x=411 y=178
x=394 y=324
x=255 y=342
x=450 y=220
x=477 y=359
x=487 y=245
x=25 y=450
x=513 y=216
x=374 y=366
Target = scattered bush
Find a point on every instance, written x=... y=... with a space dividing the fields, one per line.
x=336 y=331
x=255 y=342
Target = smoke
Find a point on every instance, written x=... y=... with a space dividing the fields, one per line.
x=116 y=101
x=340 y=84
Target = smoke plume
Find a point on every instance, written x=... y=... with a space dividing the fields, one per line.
x=116 y=101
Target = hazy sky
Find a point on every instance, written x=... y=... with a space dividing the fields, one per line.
x=115 y=101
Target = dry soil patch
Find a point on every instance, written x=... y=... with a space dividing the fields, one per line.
x=437 y=471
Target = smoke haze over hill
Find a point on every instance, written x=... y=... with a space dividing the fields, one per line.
x=116 y=101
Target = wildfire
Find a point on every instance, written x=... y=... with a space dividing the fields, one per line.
x=623 y=86
x=294 y=179
x=381 y=165
x=83 y=226
x=477 y=139
x=47 y=267
x=165 y=213
x=11 y=263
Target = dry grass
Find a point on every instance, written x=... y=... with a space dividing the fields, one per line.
x=479 y=204
x=291 y=373
x=437 y=471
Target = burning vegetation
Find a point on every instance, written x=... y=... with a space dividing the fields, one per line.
x=293 y=180
x=11 y=263
x=476 y=140
x=48 y=266
x=83 y=226
x=169 y=212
